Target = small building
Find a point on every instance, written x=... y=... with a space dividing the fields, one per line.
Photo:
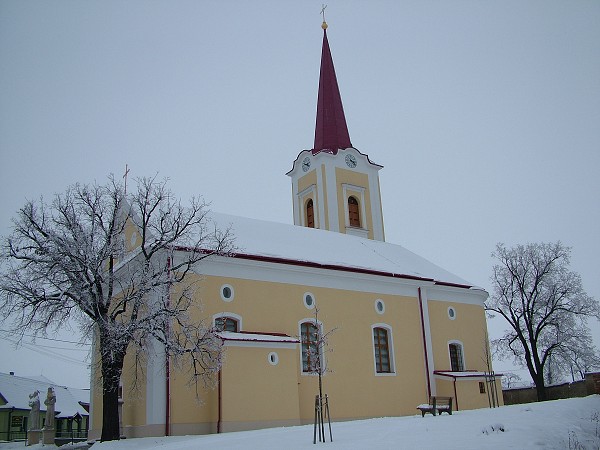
x=71 y=409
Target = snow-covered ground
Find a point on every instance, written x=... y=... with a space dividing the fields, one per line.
x=560 y=424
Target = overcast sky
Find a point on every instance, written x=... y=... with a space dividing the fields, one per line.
x=484 y=114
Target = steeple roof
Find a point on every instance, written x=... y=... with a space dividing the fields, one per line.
x=331 y=131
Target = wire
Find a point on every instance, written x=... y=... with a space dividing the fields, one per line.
x=60 y=348
x=48 y=339
x=55 y=355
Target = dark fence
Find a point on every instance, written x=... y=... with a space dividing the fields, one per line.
x=66 y=437
x=13 y=435
x=588 y=386
x=62 y=437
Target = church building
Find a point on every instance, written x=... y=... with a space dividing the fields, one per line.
x=400 y=329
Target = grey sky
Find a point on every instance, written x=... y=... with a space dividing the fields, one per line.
x=484 y=114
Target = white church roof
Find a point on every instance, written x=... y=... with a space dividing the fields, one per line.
x=15 y=391
x=278 y=242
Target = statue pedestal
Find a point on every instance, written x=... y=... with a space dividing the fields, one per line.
x=33 y=437
x=48 y=436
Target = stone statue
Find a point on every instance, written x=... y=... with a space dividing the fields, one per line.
x=34 y=414
x=50 y=402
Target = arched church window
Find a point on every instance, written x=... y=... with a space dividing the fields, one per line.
x=353 y=216
x=310 y=348
x=383 y=362
x=457 y=363
x=310 y=214
x=226 y=324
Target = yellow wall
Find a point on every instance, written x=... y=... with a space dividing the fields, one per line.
x=254 y=390
x=352 y=341
x=469 y=327
x=354 y=389
x=468 y=393
x=134 y=392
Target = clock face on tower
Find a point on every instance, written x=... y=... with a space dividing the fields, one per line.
x=306 y=164
x=351 y=161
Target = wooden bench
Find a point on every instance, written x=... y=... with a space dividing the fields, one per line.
x=436 y=405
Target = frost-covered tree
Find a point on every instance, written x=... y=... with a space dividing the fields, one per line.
x=546 y=307
x=510 y=379
x=119 y=264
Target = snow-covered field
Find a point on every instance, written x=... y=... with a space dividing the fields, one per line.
x=560 y=424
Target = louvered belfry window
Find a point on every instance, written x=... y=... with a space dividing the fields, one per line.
x=353 y=216
x=310 y=214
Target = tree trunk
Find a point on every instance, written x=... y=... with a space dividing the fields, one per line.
x=112 y=368
x=540 y=387
x=110 y=411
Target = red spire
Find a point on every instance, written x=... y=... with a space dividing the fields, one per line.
x=331 y=131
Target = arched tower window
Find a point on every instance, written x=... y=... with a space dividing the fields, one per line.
x=353 y=216
x=310 y=214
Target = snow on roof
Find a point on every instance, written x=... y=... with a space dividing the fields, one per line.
x=303 y=245
x=466 y=374
x=256 y=337
x=15 y=390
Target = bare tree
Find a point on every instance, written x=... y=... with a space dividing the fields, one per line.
x=510 y=379
x=546 y=307
x=315 y=342
x=70 y=259
x=490 y=375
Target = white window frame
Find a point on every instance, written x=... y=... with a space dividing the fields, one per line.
x=303 y=197
x=377 y=302
x=225 y=299
x=349 y=190
x=273 y=358
x=392 y=354
x=319 y=325
x=314 y=300
x=453 y=309
x=228 y=314
x=462 y=353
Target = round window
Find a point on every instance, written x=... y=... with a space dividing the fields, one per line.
x=273 y=358
x=451 y=313
x=309 y=300
x=227 y=292
x=379 y=306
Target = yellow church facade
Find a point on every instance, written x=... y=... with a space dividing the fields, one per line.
x=399 y=328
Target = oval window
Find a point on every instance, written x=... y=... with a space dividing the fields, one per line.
x=309 y=300
x=227 y=292
x=379 y=306
x=451 y=313
x=273 y=358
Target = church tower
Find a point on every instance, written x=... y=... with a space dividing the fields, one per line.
x=334 y=186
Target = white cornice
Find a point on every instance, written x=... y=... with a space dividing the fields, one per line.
x=350 y=280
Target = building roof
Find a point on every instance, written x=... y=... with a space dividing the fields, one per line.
x=15 y=390
x=467 y=374
x=250 y=336
x=291 y=244
x=331 y=131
